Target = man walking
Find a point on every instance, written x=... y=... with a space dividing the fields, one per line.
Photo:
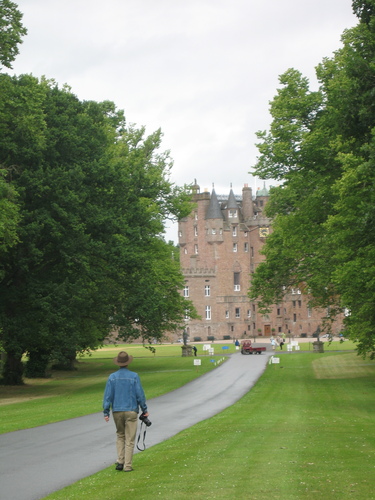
x=124 y=394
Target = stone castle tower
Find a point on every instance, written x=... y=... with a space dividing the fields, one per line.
x=220 y=245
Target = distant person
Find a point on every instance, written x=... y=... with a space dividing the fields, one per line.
x=195 y=350
x=273 y=343
x=124 y=395
x=237 y=343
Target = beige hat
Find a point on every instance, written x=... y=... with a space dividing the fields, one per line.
x=123 y=359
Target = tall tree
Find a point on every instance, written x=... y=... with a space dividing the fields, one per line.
x=11 y=32
x=93 y=195
x=320 y=146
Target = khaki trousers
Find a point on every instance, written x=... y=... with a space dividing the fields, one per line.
x=126 y=427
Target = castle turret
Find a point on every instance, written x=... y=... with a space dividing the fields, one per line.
x=232 y=207
x=214 y=210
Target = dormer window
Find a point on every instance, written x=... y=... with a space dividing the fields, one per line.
x=232 y=214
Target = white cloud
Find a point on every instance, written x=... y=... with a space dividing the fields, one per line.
x=203 y=71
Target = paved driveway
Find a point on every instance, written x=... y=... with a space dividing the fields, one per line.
x=36 y=462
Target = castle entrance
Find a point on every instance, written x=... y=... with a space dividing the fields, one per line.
x=267 y=330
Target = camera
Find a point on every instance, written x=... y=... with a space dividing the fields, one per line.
x=145 y=419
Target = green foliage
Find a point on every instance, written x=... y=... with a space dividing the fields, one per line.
x=93 y=194
x=11 y=32
x=9 y=215
x=321 y=147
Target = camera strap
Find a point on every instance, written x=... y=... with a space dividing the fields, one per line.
x=144 y=437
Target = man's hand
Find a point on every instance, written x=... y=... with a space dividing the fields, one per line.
x=106 y=418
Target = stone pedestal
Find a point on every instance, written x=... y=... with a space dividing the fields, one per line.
x=187 y=350
x=318 y=346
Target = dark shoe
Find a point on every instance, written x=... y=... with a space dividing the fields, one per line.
x=119 y=466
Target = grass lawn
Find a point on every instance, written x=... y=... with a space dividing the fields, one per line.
x=80 y=392
x=305 y=431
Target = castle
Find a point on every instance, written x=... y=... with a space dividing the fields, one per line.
x=220 y=245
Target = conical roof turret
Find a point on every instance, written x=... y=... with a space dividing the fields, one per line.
x=232 y=204
x=214 y=210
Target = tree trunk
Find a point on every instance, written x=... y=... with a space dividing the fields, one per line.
x=13 y=370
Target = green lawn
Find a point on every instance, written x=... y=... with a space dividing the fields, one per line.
x=305 y=431
x=80 y=392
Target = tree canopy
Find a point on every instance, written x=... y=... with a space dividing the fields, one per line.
x=88 y=256
x=11 y=32
x=320 y=147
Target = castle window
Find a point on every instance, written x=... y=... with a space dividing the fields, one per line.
x=234 y=230
x=246 y=247
x=207 y=291
x=294 y=318
x=186 y=291
x=309 y=312
x=245 y=234
x=213 y=231
x=227 y=314
x=195 y=216
x=235 y=247
x=195 y=249
x=237 y=312
x=236 y=282
x=232 y=214
x=249 y=313
x=195 y=231
x=208 y=312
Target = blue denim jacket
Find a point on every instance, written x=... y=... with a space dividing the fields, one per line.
x=124 y=392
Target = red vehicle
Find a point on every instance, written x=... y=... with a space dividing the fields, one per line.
x=247 y=348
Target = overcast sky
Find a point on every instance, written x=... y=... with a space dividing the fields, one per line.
x=203 y=71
